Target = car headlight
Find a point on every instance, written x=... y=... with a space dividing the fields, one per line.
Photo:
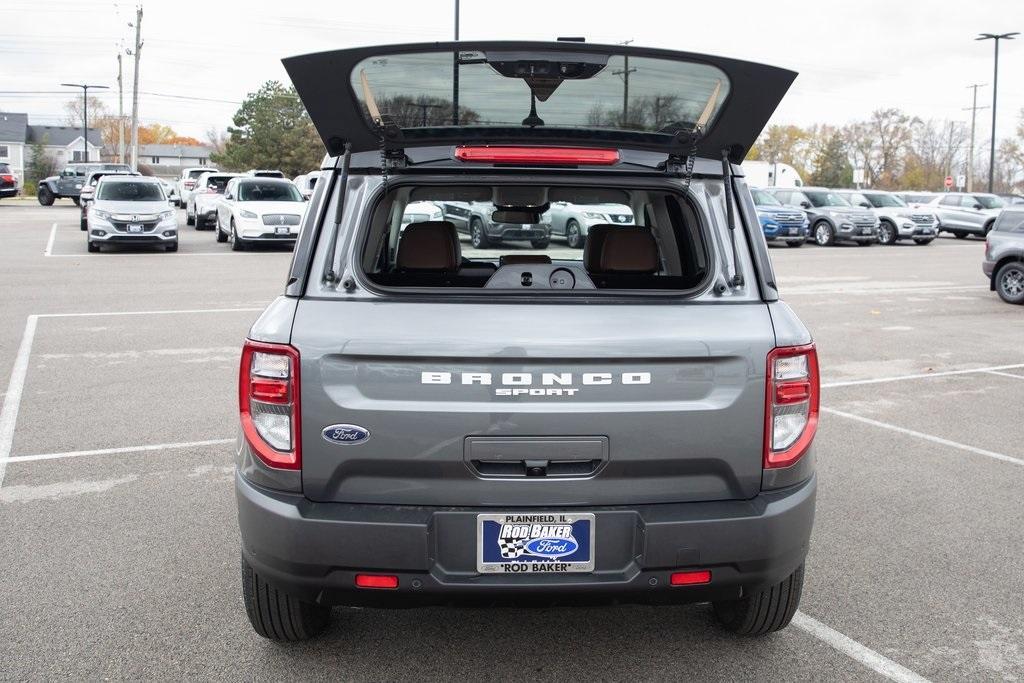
x=247 y=214
x=591 y=214
x=101 y=214
x=166 y=214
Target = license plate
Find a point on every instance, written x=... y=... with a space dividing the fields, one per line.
x=132 y=227
x=281 y=230
x=867 y=231
x=535 y=543
x=794 y=231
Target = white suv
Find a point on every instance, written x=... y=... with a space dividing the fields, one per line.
x=187 y=182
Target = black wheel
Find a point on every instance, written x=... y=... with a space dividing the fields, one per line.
x=923 y=242
x=477 y=236
x=279 y=616
x=83 y=224
x=77 y=201
x=94 y=248
x=1010 y=282
x=887 y=233
x=234 y=239
x=960 y=235
x=762 y=613
x=795 y=243
x=540 y=244
x=864 y=243
x=824 y=236
x=190 y=218
x=173 y=246
x=987 y=229
x=573 y=235
x=221 y=235
x=44 y=196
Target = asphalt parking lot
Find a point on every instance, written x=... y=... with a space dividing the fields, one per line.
x=118 y=538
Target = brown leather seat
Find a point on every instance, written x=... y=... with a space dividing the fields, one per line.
x=619 y=249
x=523 y=259
x=429 y=246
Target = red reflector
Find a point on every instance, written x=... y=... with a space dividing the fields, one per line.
x=792 y=392
x=376 y=581
x=565 y=156
x=691 y=578
x=269 y=390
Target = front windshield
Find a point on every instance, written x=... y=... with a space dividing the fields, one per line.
x=268 y=192
x=762 y=198
x=857 y=199
x=130 y=192
x=880 y=200
x=990 y=201
x=823 y=198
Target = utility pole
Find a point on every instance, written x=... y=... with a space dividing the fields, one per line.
x=120 y=110
x=996 y=37
x=624 y=72
x=85 y=113
x=137 y=53
x=970 y=149
x=455 y=72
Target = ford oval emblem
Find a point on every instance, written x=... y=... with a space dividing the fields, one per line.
x=551 y=547
x=346 y=435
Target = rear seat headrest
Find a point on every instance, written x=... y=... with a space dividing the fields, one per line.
x=618 y=249
x=431 y=245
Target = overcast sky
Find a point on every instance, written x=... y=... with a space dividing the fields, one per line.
x=852 y=56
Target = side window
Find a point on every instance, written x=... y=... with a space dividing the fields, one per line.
x=951 y=200
x=969 y=201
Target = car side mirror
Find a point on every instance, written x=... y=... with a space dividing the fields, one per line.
x=977 y=207
x=805 y=205
x=866 y=205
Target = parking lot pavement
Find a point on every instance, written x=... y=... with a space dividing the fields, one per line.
x=118 y=544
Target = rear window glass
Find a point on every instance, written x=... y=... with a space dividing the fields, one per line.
x=593 y=239
x=130 y=192
x=268 y=174
x=219 y=182
x=4 y=168
x=197 y=173
x=498 y=89
x=1010 y=221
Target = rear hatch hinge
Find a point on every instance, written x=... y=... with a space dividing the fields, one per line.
x=681 y=163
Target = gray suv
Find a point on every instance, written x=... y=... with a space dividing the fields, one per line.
x=1004 y=255
x=966 y=213
x=832 y=218
x=71 y=180
x=425 y=422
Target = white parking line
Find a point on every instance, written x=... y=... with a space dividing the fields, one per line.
x=926 y=437
x=49 y=242
x=854 y=650
x=114 y=451
x=16 y=385
x=1005 y=374
x=923 y=375
x=12 y=399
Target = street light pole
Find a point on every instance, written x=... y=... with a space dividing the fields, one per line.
x=995 y=92
x=85 y=113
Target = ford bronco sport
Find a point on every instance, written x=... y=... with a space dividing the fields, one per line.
x=425 y=422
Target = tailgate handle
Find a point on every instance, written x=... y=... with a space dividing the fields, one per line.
x=534 y=469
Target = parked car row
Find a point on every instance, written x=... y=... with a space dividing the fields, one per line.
x=960 y=213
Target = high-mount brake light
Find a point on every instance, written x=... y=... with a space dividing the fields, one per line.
x=268 y=403
x=792 y=396
x=540 y=156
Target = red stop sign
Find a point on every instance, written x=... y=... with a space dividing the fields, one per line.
x=949 y=181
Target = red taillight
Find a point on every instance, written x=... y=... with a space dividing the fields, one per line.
x=189 y=184
x=543 y=156
x=376 y=581
x=792 y=395
x=268 y=403
x=690 y=578
x=7 y=178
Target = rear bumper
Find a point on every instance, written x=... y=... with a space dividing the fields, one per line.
x=513 y=231
x=8 y=191
x=313 y=550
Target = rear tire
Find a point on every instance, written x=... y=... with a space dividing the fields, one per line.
x=190 y=218
x=83 y=224
x=1010 y=282
x=574 y=237
x=761 y=613
x=44 y=196
x=278 y=616
x=987 y=229
x=221 y=235
x=77 y=201
x=960 y=235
